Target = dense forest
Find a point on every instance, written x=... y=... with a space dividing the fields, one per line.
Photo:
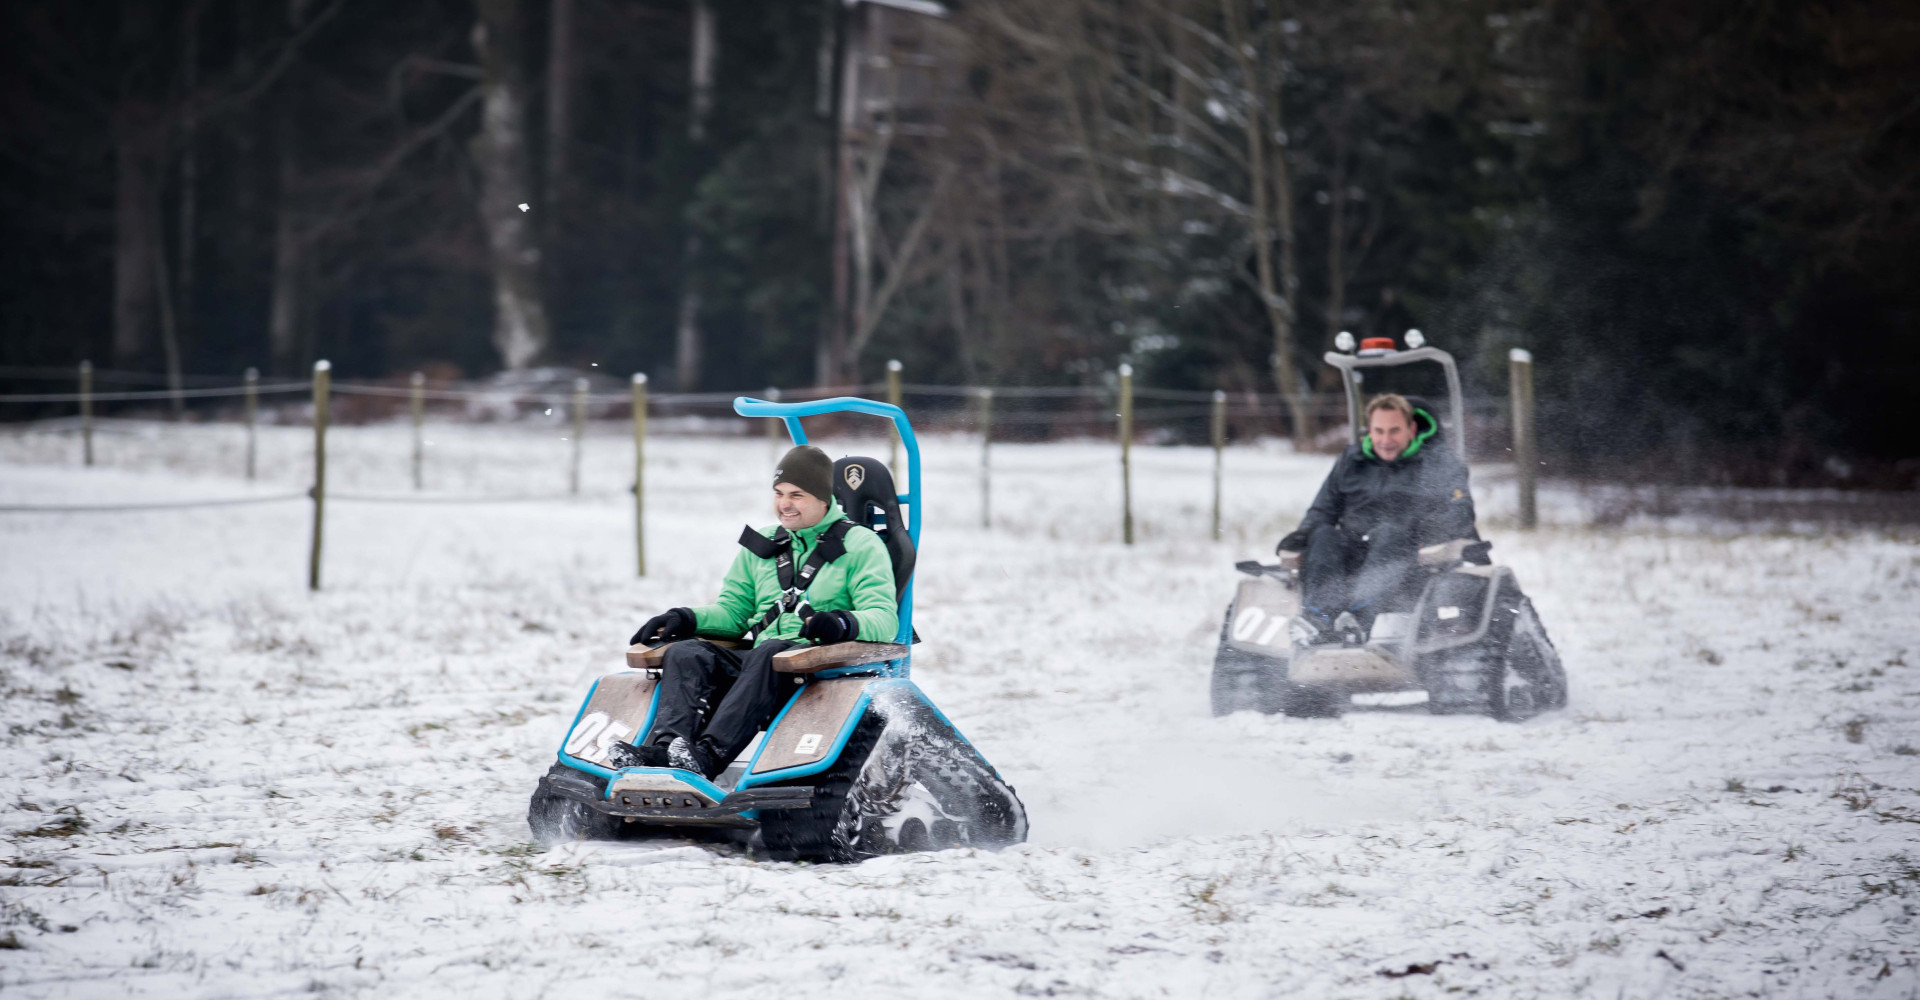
x=1700 y=215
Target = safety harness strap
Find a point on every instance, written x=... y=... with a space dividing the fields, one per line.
x=759 y=544
x=831 y=545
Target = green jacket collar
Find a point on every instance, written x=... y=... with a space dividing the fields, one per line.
x=1413 y=448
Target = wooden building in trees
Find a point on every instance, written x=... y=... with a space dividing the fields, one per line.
x=895 y=67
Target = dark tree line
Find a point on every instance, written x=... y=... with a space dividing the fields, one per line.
x=207 y=184
x=1699 y=215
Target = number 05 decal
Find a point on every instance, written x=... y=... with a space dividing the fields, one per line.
x=593 y=734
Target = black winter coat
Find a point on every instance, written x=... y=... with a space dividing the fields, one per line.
x=1425 y=491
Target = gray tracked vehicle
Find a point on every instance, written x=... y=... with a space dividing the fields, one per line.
x=1470 y=639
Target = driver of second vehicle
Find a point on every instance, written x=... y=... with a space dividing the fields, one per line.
x=1394 y=492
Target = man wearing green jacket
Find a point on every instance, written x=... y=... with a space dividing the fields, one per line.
x=816 y=577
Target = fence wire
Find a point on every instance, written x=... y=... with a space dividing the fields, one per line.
x=429 y=499
x=103 y=508
x=45 y=374
x=307 y=494
x=76 y=397
x=1024 y=412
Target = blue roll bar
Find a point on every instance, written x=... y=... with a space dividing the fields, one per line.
x=747 y=406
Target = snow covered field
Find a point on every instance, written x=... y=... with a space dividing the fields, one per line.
x=216 y=784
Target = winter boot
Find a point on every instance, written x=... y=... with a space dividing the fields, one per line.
x=1310 y=627
x=1347 y=627
x=628 y=755
x=697 y=756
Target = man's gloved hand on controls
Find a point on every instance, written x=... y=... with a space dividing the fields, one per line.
x=675 y=625
x=1296 y=541
x=830 y=626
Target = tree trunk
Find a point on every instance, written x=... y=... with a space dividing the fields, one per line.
x=520 y=330
x=1344 y=255
x=289 y=256
x=1287 y=314
x=703 y=48
x=830 y=358
x=705 y=52
x=136 y=160
x=957 y=314
x=189 y=169
x=996 y=265
x=247 y=138
x=1336 y=247
x=169 y=330
x=133 y=234
x=560 y=73
x=1272 y=219
x=1182 y=90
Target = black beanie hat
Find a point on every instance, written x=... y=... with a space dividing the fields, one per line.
x=808 y=468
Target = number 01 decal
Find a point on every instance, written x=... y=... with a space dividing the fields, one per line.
x=1249 y=621
x=593 y=734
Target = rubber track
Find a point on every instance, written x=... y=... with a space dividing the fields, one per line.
x=1457 y=683
x=807 y=834
x=1457 y=678
x=831 y=828
x=955 y=773
x=556 y=819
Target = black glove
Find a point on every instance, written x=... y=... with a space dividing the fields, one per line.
x=830 y=626
x=673 y=626
x=1477 y=554
x=1296 y=541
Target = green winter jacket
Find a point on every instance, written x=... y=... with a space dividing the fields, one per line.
x=860 y=581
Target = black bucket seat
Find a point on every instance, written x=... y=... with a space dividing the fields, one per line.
x=864 y=487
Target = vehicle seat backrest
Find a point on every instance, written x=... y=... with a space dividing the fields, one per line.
x=865 y=490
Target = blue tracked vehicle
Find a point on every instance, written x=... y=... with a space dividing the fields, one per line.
x=859 y=763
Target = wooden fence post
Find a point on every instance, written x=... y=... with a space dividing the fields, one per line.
x=86 y=412
x=252 y=379
x=579 y=433
x=417 y=401
x=322 y=384
x=1219 y=453
x=893 y=433
x=640 y=470
x=1526 y=465
x=986 y=462
x=1126 y=454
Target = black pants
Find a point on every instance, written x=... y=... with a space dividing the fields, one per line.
x=1342 y=571
x=741 y=680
